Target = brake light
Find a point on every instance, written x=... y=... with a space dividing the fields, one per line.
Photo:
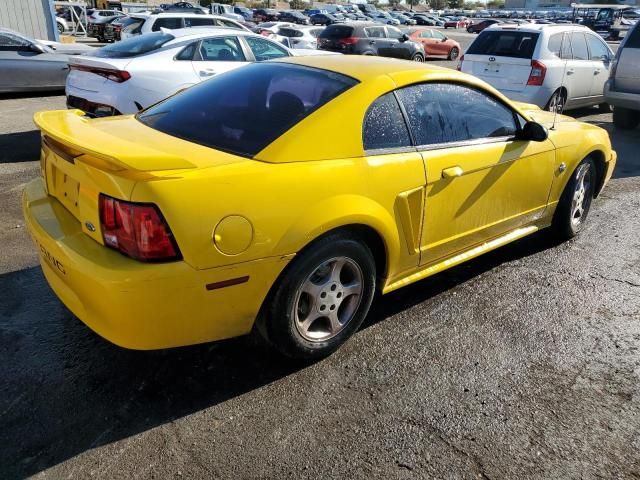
x=459 y=67
x=112 y=74
x=137 y=230
x=348 y=41
x=538 y=72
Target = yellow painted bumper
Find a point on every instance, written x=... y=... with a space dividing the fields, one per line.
x=140 y=305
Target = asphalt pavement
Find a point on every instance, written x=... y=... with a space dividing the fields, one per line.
x=524 y=363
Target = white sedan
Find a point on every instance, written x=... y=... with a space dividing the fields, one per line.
x=131 y=75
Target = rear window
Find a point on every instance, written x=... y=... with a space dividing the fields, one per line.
x=634 y=38
x=337 y=31
x=134 y=46
x=505 y=44
x=244 y=110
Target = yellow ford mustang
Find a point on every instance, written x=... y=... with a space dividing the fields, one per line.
x=281 y=196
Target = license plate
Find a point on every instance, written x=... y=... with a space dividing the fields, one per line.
x=66 y=189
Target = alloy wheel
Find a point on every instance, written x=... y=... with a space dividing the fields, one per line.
x=579 y=202
x=556 y=104
x=328 y=299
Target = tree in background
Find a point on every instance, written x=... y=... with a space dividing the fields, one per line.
x=454 y=3
x=495 y=4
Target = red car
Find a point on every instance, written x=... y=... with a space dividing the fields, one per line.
x=435 y=43
x=456 y=22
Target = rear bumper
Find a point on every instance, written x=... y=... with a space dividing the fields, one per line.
x=107 y=96
x=138 y=305
x=536 y=95
x=621 y=99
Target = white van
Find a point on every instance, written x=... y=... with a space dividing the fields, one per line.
x=153 y=22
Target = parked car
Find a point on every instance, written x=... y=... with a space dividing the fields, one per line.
x=424 y=20
x=270 y=29
x=370 y=39
x=30 y=65
x=246 y=13
x=323 y=19
x=294 y=17
x=477 y=27
x=456 y=22
x=435 y=43
x=556 y=67
x=299 y=36
x=62 y=25
x=113 y=30
x=403 y=19
x=130 y=75
x=265 y=15
x=98 y=30
x=219 y=212
x=382 y=17
x=183 y=7
x=622 y=89
x=225 y=10
x=173 y=21
x=101 y=16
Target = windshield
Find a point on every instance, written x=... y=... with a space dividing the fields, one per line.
x=244 y=110
x=134 y=46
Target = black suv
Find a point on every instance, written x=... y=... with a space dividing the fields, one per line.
x=294 y=17
x=365 y=38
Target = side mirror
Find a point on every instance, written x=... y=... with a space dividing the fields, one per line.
x=37 y=48
x=404 y=37
x=534 y=132
x=444 y=39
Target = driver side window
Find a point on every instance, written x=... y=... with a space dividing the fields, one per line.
x=12 y=43
x=441 y=113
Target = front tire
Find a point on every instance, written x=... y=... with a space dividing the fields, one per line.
x=417 y=57
x=322 y=298
x=625 y=119
x=604 y=107
x=60 y=29
x=575 y=201
x=453 y=53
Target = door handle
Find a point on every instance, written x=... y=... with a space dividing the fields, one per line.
x=597 y=72
x=570 y=72
x=372 y=42
x=207 y=73
x=452 y=172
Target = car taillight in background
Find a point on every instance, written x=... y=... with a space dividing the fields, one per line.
x=137 y=230
x=459 y=67
x=348 y=41
x=112 y=74
x=538 y=72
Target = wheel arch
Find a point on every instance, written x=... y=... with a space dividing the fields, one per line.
x=600 y=162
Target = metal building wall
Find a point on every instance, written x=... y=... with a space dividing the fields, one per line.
x=34 y=18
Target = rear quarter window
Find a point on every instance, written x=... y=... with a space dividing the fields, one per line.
x=503 y=43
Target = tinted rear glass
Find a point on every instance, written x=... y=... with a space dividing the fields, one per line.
x=246 y=109
x=505 y=44
x=337 y=31
x=634 y=38
x=134 y=46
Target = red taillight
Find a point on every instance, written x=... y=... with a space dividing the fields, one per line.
x=137 y=230
x=459 y=67
x=538 y=71
x=348 y=41
x=112 y=74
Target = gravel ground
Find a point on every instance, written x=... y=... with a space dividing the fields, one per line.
x=524 y=363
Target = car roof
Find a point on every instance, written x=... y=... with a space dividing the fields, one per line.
x=182 y=34
x=537 y=27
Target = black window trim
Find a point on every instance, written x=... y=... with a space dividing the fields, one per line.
x=440 y=146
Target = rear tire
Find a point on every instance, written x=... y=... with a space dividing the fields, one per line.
x=625 y=119
x=575 y=201
x=453 y=53
x=321 y=299
x=60 y=28
x=557 y=102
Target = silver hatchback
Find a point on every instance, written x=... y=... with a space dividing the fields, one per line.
x=622 y=90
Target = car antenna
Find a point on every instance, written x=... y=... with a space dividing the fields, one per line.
x=564 y=72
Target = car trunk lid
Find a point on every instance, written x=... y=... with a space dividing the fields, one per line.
x=504 y=73
x=81 y=158
x=87 y=73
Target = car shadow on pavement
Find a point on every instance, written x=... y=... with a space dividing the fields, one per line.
x=64 y=390
x=20 y=147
